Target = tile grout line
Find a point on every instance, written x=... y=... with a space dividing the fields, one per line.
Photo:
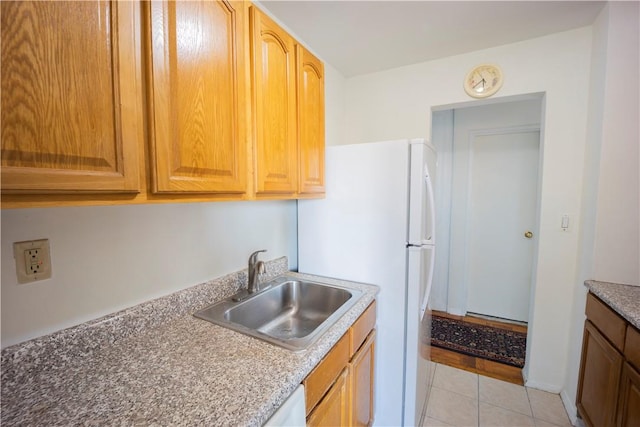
x=454 y=392
x=430 y=395
x=526 y=390
x=528 y=395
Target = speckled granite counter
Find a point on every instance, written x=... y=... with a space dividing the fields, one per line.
x=156 y=364
x=623 y=299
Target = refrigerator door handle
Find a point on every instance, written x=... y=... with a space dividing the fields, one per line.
x=429 y=265
x=430 y=205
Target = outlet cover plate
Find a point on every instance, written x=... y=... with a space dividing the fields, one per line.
x=33 y=260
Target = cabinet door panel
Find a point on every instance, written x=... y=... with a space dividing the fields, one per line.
x=70 y=100
x=599 y=376
x=362 y=383
x=310 y=122
x=198 y=86
x=629 y=403
x=274 y=101
x=333 y=410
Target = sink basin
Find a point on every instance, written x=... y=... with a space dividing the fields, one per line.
x=289 y=312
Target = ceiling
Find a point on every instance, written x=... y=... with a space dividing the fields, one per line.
x=360 y=37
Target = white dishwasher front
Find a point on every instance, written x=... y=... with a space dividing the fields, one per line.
x=292 y=412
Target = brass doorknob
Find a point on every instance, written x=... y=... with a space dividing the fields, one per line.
x=528 y=234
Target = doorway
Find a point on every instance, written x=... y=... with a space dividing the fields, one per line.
x=501 y=222
x=488 y=163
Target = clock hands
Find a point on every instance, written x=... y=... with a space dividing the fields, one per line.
x=480 y=89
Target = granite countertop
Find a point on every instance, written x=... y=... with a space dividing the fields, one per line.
x=623 y=299
x=157 y=364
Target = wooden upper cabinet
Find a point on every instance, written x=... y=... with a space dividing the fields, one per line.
x=197 y=84
x=274 y=106
x=71 y=96
x=310 y=122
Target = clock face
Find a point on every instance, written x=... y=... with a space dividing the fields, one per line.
x=483 y=81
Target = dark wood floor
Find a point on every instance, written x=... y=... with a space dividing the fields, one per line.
x=475 y=364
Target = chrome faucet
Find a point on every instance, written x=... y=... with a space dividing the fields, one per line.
x=255 y=268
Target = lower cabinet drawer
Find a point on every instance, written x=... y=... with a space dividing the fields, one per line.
x=322 y=377
x=361 y=328
x=612 y=326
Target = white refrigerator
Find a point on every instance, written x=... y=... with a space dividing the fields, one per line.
x=376 y=225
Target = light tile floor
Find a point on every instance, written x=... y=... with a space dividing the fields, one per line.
x=462 y=398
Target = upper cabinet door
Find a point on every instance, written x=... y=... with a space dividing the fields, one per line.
x=71 y=96
x=274 y=106
x=310 y=122
x=197 y=81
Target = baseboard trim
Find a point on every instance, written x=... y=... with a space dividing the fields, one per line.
x=570 y=407
x=543 y=386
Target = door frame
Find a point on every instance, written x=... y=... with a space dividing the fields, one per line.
x=536 y=225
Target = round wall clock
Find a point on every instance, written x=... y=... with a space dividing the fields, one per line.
x=483 y=81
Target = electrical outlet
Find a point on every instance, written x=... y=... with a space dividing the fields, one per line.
x=33 y=260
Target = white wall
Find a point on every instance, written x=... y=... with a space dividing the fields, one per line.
x=398 y=103
x=111 y=257
x=617 y=255
x=334 y=99
x=589 y=206
x=609 y=247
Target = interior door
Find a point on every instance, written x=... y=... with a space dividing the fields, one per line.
x=500 y=223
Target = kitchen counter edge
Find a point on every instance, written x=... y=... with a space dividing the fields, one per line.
x=223 y=387
x=623 y=299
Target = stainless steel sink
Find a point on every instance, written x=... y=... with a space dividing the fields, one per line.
x=288 y=311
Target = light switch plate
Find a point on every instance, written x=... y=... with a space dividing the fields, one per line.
x=33 y=260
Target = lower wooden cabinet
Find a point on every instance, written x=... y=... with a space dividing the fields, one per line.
x=597 y=390
x=361 y=383
x=609 y=382
x=333 y=409
x=629 y=402
x=340 y=390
